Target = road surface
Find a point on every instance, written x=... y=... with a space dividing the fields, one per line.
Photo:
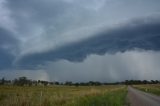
x=140 y=98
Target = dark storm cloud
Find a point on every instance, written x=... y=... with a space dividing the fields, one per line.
x=70 y=39
x=8 y=46
x=6 y=37
x=142 y=34
x=6 y=59
x=59 y=22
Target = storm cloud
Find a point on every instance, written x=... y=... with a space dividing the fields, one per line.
x=111 y=68
x=54 y=38
x=130 y=65
x=139 y=34
x=8 y=48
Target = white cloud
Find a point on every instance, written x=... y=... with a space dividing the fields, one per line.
x=5 y=19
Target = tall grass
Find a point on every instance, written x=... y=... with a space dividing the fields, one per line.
x=110 y=98
x=62 y=96
x=150 y=88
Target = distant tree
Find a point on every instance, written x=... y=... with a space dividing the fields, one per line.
x=22 y=81
x=57 y=83
x=3 y=81
x=90 y=83
x=68 y=83
x=98 y=83
x=145 y=82
x=77 y=84
x=35 y=83
x=156 y=81
x=15 y=81
x=45 y=83
x=51 y=83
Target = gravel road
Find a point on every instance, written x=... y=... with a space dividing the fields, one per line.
x=140 y=98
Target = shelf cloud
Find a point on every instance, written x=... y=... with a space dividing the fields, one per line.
x=70 y=34
x=139 y=34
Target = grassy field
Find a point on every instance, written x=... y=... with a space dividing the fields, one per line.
x=63 y=96
x=150 y=88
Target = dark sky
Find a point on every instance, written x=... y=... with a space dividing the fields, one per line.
x=80 y=40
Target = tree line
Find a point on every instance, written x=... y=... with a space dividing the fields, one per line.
x=24 y=81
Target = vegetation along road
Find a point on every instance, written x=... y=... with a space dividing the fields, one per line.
x=140 y=98
x=24 y=92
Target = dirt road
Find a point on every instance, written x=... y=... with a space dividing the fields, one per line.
x=139 y=98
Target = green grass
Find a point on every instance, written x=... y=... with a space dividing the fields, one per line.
x=63 y=96
x=110 y=98
x=150 y=88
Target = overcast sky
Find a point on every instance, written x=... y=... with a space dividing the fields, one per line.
x=80 y=40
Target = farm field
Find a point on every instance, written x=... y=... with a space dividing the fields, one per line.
x=111 y=95
x=150 y=88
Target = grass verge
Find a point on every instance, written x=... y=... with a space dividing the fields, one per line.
x=110 y=98
x=113 y=95
x=149 y=88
